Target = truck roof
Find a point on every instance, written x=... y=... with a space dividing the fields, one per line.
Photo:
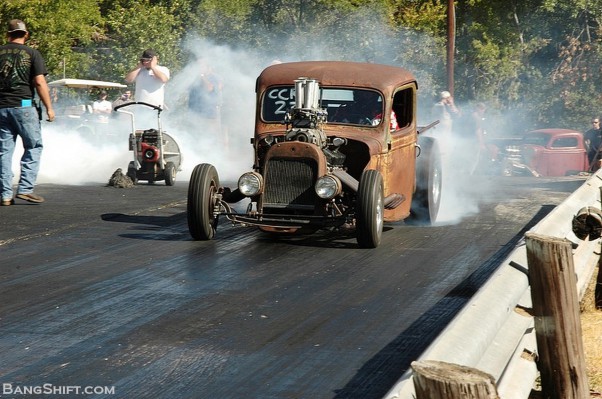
x=336 y=73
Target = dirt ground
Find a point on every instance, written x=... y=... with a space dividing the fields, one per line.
x=591 y=324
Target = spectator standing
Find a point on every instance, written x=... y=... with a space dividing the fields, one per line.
x=593 y=140
x=22 y=74
x=122 y=119
x=445 y=111
x=102 y=105
x=57 y=102
x=475 y=128
x=205 y=95
x=150 y=79
x=205 y=98
x=101 y=108
x=54 y=95
x=125 y=98
x=485 y=154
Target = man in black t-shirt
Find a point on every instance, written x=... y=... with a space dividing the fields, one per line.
x=593 y=140
x=22 y=73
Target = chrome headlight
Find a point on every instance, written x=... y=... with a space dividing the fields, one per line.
x=250 y=184
x=328 y=187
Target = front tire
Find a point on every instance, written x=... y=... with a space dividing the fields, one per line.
x=370 y=209
x=203 y=186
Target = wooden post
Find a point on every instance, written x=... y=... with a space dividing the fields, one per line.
x=440 y=380
x=557 y=319
x=451 y=45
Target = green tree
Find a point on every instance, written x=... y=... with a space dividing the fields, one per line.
x=536 y=59
x=60 y=29
x=132 y=27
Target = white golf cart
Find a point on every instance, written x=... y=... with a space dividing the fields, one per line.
x=73 y=106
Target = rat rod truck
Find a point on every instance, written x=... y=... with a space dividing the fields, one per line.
x=335 y=144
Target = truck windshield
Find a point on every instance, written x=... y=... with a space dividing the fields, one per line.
x=348 y=106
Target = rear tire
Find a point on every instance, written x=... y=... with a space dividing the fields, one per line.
x=203 y=186
x=427 y=198
x=370 y=209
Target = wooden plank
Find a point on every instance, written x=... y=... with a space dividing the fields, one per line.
x=557 y=318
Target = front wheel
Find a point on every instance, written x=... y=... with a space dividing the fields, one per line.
x=202 y=189
x=370 y=209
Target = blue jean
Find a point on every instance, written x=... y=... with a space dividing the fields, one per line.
x=25 y=123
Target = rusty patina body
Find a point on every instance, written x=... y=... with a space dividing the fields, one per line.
x=392 y=152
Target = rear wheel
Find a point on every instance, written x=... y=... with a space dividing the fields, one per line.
x=170 y=174
x=203 y=186
x=427 y=198
x=370 y=209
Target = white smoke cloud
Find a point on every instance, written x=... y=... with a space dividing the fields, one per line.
x=70 y=157
x=73 y=158
x=462 y=190
x=225 y=143
x=76 y=156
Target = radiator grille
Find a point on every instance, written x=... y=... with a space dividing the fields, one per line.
x=290 y=182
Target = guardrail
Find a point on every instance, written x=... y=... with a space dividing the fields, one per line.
x=493 y=332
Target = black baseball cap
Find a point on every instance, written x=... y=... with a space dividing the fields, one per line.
x=16 y=25
x=148 y=53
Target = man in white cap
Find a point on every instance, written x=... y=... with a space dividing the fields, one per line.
x=22 y=74
x=448 y=103
x=446 y=111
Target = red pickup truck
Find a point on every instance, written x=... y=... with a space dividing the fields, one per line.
x=547 y=152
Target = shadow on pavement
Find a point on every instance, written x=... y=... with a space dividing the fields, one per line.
x=373 y=380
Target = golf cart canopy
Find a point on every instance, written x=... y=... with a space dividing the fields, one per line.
x=86 y=84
